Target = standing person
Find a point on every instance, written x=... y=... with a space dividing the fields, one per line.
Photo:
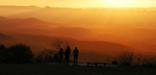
x=61 y=53
x=76 y=55
x=67 y=55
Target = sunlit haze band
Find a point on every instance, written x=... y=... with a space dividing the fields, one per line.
x=81 y=3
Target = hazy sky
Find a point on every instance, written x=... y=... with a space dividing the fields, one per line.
x=80 y=3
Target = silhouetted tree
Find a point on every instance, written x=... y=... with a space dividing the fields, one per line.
x=2 y=53
x=75 y=55
x=2 y=47
x=115 y=62
x=67 y=55
x=126 y=58
x=57 y=44
x=149 y=61
x=45 y=56
x=18 y=54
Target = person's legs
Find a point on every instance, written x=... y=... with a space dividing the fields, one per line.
x=75 y=60
x=67 y=60
x=60 y=60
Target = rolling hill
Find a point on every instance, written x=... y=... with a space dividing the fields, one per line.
x=135 y=30
x=91 y=51
x=11 y=10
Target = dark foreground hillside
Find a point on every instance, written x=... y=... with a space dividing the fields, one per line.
x=50 y=69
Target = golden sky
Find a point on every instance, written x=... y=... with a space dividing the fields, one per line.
x=82 y=3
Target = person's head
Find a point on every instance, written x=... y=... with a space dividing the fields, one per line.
x=61 y=49
x=68 y=48
x=76 y=48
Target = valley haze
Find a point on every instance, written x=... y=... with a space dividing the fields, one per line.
x=99 y=32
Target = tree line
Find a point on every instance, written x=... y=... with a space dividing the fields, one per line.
x=22 y=54
x=16 y=54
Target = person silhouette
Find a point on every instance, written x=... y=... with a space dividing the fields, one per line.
x=61 y=53
x=67 y=55
x=76 y=54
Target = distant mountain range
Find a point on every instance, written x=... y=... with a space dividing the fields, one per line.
x=4 y=37
x=33 y=29
x=38 y=27
x=91 y=51
x=11 y=10
x=33 y=32
x=84 y=17
x=98 y=31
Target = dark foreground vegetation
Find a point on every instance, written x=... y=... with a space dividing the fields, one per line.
x=22 y=54
x=20 y=60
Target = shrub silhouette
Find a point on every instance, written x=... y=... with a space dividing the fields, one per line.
x=114 y=62
x=45 y=56
x=18 y=54
x=126 y=58
x=2 y=52
x=149 y=62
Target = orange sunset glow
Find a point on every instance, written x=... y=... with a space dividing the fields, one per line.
x=100 y=28
x=82 y=3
